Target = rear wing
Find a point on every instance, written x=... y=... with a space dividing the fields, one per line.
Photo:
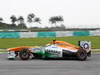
x=86 y=45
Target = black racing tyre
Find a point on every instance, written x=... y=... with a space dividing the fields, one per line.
x=24 y=54
x=82 y=55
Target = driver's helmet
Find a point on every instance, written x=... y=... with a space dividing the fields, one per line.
x=54 y=42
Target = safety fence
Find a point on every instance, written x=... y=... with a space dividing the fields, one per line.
x=48 y=34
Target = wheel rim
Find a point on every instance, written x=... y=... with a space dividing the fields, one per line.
x=82 y=55
x=24 y=55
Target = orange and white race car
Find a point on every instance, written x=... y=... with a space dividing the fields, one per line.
x=56 y=49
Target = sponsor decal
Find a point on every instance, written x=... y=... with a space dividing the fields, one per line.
x=52 y=51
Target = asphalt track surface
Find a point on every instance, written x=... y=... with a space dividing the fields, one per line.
x=50 y=67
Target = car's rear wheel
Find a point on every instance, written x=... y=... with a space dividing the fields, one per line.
x=24 y=54
x=82 y=55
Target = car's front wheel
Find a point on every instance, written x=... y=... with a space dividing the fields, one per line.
x=82 y=55
x=24 y=54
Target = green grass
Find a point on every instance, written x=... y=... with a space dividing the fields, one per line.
x=7 y=43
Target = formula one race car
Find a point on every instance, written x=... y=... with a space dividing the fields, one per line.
x=56 y=49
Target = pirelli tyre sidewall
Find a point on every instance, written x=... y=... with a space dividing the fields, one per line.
x=82 y=55
x=24 y=54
